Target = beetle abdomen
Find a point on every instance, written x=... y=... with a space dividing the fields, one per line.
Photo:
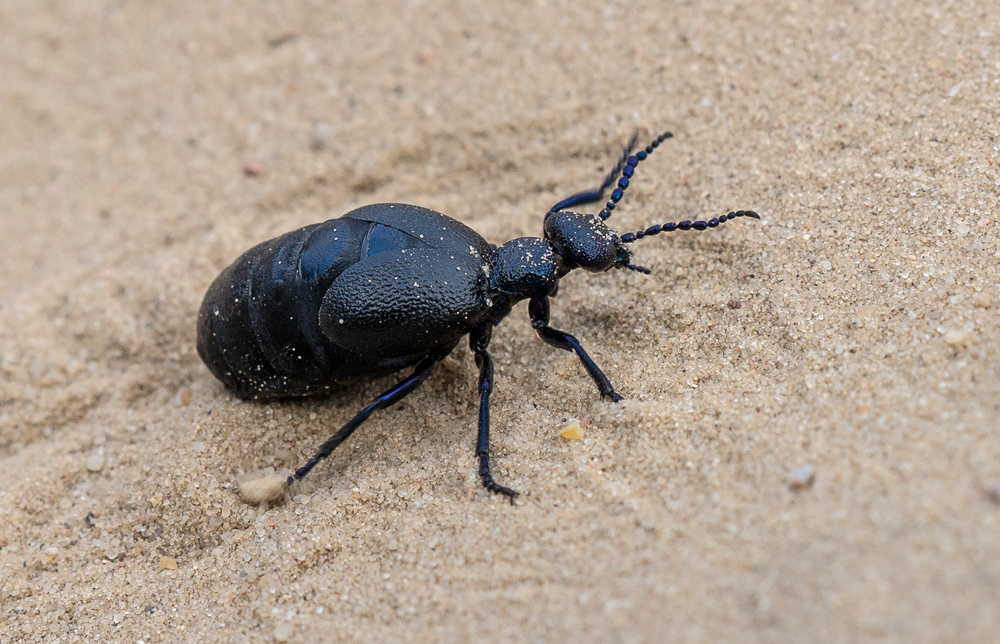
x=258 y=327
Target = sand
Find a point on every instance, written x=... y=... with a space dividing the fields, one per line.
x=852 y=330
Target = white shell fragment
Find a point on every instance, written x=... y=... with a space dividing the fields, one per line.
x=801 y=477
x=269 y=488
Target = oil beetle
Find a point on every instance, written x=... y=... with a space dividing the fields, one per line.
x=389 y=286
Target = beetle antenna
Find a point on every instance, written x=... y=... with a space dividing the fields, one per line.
x=628 y=169
x=638 y=269
x=590 y=196
x=670 y=227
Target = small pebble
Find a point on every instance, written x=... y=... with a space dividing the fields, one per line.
x=320 y=135
x=301 y=499
x=425 y=56
x=572 y=431
x=958 y=337
x=254 y=169
x=734 y=303
x=801 y=477
x=168 y=563
x=95 y=463
x=257 y=491
x=992 y=491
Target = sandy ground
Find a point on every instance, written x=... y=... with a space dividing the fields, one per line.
x=854 y=329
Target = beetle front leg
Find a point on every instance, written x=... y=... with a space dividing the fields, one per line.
x=538 y=309
x=479 y=341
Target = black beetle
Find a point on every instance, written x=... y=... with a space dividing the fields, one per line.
x=389 y=286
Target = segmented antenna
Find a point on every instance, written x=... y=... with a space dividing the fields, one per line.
x=627 y=172
x=590 y=196
x=670 y=227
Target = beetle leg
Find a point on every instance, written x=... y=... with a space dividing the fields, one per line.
x=479 y=341
x=387 y=399
x=538 y=309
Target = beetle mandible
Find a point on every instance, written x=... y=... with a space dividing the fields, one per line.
x=389 y=286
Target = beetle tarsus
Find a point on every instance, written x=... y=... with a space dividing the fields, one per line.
x=489 y=483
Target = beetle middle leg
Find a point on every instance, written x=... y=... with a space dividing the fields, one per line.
x=387 y=399
x=479 y=341
x=538 y=309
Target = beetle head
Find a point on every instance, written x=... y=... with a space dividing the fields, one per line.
x=584 y=241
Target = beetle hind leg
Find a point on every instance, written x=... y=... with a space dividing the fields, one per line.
x=388 y=398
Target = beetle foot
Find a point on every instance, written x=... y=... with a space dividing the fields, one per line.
x=499 y=489
x=614 y=396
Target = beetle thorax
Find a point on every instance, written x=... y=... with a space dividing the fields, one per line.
x=527 y=267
